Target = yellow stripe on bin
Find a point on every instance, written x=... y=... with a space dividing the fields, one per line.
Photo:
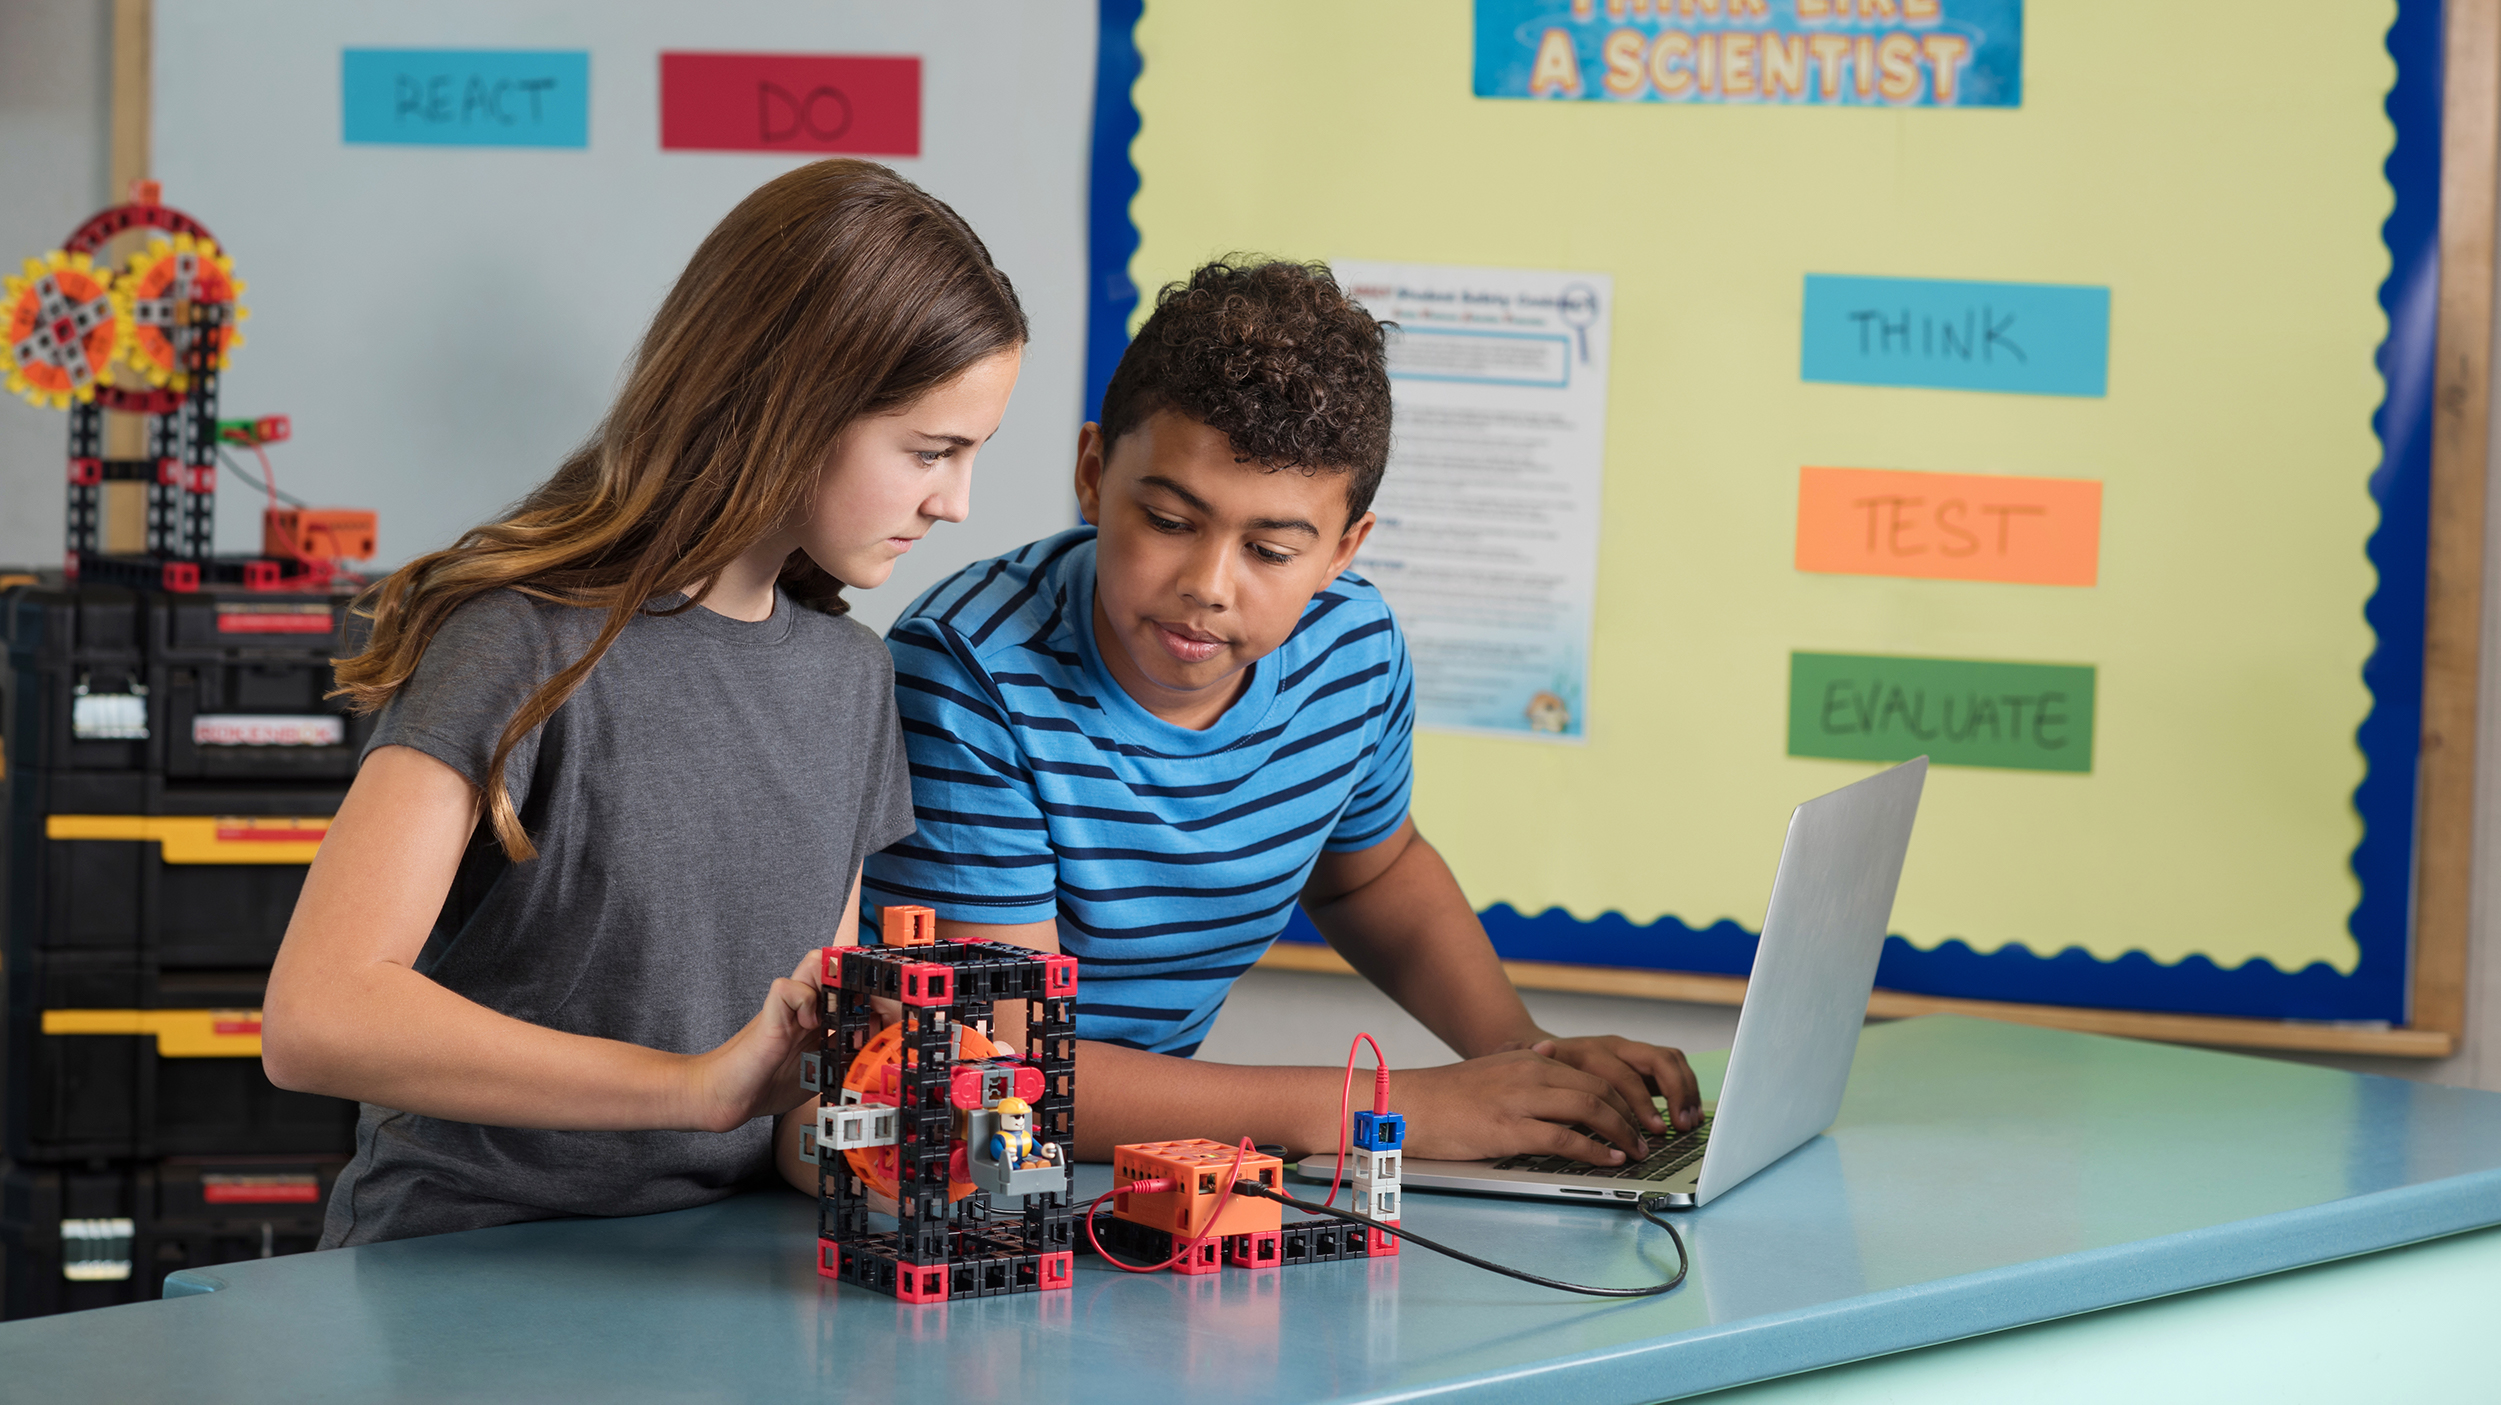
x=180 y=1034
x=196 y=839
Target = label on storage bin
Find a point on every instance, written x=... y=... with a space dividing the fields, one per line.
x=221 y=1188
x=255 y=617
x=256 y=729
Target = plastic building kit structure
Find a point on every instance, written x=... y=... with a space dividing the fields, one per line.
x=931 y=1114
x=118 y=320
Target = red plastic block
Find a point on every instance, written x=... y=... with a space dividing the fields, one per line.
x=86 y=473
x=905 y=925
x=1206 y=1256
x=977 y=1085
x=1059 y=976
x=828 y=1259
x=182 y=577
x=928 y=983
x=920 y=1283
x=169 y=472
x=1054 y=1271
x=1379 y=1242
x=1255 y=1250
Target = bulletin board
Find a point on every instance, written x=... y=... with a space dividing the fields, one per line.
x=456 y=218
x=2231 y=852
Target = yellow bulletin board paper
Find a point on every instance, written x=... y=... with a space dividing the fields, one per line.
x=2224 y=184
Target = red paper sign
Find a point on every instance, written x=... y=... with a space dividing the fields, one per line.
x=849 y=103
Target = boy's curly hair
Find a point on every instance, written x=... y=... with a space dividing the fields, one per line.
x=1272 y=353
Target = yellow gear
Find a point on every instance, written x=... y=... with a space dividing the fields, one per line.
x=65 y=327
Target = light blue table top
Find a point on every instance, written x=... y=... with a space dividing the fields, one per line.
x=1981 y=1176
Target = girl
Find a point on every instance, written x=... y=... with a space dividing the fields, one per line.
x=631 y=754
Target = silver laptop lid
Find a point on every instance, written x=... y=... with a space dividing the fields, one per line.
x=1831 y=903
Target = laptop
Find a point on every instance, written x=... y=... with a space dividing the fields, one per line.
x=1832 y=901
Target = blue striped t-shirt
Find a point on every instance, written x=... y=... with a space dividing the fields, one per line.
x=1170 y=858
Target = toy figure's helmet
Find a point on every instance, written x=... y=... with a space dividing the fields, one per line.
x=1013 y=1106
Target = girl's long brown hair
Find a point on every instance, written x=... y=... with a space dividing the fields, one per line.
x=835 y=291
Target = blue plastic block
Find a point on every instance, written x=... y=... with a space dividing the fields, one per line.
x=1379 y=1131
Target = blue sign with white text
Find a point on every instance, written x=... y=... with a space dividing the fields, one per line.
x=466 y=97
x=2018 y=338
x=1818 y=53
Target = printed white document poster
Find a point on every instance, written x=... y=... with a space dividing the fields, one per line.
x=1487 y=545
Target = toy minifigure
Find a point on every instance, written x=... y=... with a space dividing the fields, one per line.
x=1012 y=1144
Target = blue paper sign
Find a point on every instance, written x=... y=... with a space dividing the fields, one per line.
x=2019 y=338
x=466 y=97
x=1824 y=53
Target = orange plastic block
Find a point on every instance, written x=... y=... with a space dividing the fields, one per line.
x=318 y=533
x=1196 y=1167
x=909 y=926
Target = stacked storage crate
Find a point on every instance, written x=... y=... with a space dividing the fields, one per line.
x=171 y=766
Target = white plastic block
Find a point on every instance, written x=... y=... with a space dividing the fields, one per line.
x=853 y=1126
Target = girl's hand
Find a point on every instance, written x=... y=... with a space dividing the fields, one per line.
x=1516 y=1102
x=755 y=1072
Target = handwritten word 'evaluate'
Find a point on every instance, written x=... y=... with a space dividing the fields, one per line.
x=1959 y=712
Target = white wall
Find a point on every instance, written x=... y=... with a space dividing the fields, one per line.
x=443 y=324
x=56 y=68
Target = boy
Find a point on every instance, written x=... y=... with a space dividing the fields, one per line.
x=1142 y=741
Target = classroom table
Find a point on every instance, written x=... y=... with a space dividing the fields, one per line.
x=1981 y=1177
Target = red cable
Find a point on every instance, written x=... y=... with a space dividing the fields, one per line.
x=1345 y=1104
x=1230 y=1175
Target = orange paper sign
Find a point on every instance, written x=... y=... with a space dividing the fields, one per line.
x=1949 y=526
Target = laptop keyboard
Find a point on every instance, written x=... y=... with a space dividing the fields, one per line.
x=1680 y=1152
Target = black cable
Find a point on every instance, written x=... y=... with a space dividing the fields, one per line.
x=1254 y=1188
x=239 y=471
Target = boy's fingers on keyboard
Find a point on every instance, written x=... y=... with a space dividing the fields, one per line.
x=1585 y=1103
x=1666 y=1070
x=1623 y=1066
x=1556 y=1140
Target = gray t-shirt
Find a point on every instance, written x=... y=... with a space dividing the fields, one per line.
x=699 y=806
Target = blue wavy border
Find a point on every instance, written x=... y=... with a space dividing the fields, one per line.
x=2389 y=736
x=1111 y=235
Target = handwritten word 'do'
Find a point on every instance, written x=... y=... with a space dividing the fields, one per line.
x=1951 y=334
x=1959 y=712
x=782 y=116
x=1949 y=526
x=465 y=97
x=858 y=104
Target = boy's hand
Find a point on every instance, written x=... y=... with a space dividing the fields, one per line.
x=1520 y=1101
x=755 y=1072
x=1635 y=1070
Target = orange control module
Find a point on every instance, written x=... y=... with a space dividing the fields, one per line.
x=1196 y=1167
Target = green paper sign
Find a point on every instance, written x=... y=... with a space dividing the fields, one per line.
x=1957 y=712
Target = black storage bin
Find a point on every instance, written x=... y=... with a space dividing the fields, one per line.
x=74 y=695
x=141 y=792
x=74 y=1238
x=253 y=720
x=123 y=896
x=114 y=980
x=72 y=1097
x=215 y=625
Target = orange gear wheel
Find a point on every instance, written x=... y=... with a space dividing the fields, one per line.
x=163 y=279
x=65 y=327
x=877 y=1165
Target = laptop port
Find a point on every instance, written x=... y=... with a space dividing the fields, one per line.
x=1576 y=1190
x=1624 y=1195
